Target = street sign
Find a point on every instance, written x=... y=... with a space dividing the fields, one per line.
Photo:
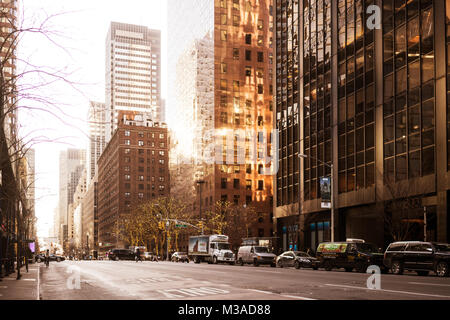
x=181 y=226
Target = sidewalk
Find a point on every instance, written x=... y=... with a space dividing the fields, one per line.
x=24 y=289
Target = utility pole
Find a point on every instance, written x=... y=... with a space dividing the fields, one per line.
x=200 y=182
x=425 y=224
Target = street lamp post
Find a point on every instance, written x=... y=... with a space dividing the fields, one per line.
x=304 y=156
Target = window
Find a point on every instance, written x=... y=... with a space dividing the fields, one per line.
x=260 y=24
x=260 y=56
x=236 y=4
x=248 y=71
x=127 y=133
x=248 y=38
x=260 y=89
x=235 y=53
x=223 y=35
x=223 y=67
x=223 y=85
x=236 y=184
x=127 y=177
x=223 y=19
x=127 y=142
x=141 y=143
x=260 y=184
x=236 y=20
x=260 y=40
x=248 y=55
x=127 y=151
x=223 y=183
x=161 y=135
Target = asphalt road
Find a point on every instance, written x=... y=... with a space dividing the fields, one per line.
x=128 y=280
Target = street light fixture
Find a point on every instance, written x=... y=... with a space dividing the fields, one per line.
x=304 y=156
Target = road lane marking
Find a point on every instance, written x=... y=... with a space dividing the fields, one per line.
x=191 y=292
x=391 y=291
x=3 y=287
x=283 y=295
x=297 y=297
x=430 y=284
x=261 y=291
x=29 y=279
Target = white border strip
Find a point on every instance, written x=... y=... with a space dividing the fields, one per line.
x=392 y=291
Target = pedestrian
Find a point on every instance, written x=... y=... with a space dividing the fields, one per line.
x=47 y=258
x=138 y=255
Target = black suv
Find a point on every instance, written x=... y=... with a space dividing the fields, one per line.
x=121 y=254
x=421 y=257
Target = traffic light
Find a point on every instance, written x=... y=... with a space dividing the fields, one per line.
x=200 y=224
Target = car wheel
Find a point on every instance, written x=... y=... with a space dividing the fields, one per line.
x=397 y=268
x=315 y=268
x=215 y=260
x=39 y=260
x=348 y=269
x=58 y=259
x=232 y=263
x=361 y=267
x=241 y=262
x=328 y=266
x=279 y=264
x=423 y=273
x=442 y=269
x=255 y=263
x=117 y=259
x=297 y=265
x=196 y=260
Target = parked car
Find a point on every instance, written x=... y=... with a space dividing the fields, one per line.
x=352 y=254
x=40 y=257
x=297 y=259
x=180 y=257
x=121 y=254
x=418 y=256
x=257 y=255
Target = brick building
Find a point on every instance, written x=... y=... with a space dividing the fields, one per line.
x=133 y=168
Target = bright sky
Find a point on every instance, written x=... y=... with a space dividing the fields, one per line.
x=80 y=52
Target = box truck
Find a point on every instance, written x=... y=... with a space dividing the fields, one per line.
x=211 y=249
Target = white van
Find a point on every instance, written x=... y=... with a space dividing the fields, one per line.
x=257 y=255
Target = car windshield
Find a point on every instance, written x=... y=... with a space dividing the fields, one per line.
x=442 y=247
x=301 y=254
x=262 y=250
x=223 y=246
x=367 y=247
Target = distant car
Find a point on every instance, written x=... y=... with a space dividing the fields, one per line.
x=421 y=257
x=180 y=257
x=147 y=256
x=40 y=257
x=297 y=259
x=54 y=257
x=121 y=254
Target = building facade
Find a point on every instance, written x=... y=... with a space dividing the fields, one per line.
x=89 y=238
x=230 y=51
x=133 y=168
x=97 y=135
x=365 y=99
x=133 y=72
x=71 y=165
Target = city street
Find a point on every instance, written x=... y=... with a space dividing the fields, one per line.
x=110 y=280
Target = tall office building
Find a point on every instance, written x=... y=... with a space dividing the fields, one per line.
x=220 y=61
x=97 y=135
x=133 y=168
x=31 y=177
x=133 y=72
x=372 y=102
x=71 y=164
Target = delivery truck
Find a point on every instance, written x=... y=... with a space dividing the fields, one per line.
x=211 y=249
